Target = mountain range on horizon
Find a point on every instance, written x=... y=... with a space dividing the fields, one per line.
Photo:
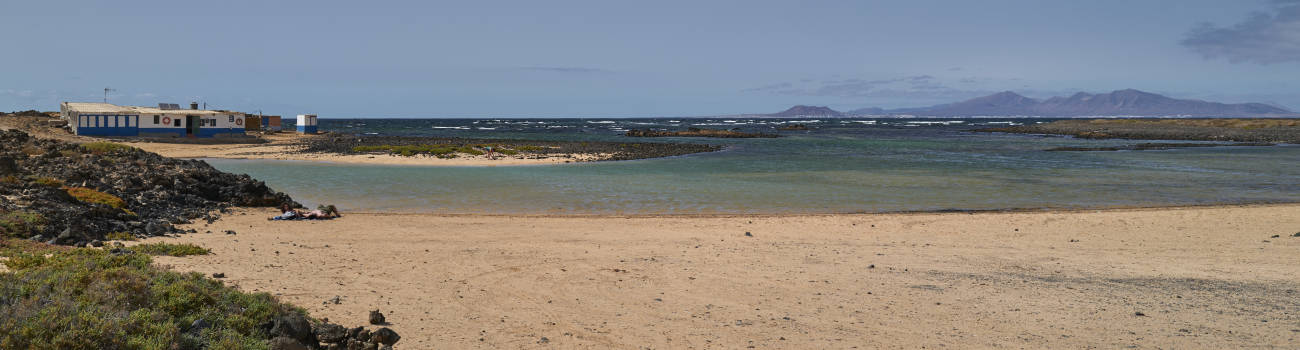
x=1128 y=102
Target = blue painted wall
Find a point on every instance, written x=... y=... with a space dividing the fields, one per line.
x=160 y=132
x=102 y=125
x=306 y=129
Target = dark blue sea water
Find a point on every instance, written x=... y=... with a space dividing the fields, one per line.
x=840 y=165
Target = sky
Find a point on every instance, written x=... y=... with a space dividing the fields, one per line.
x=476 y=59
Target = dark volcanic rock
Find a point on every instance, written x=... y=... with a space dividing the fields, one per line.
x=1154 y=146
x=1235 y=130
x=385 y=336
x=697 y=132
x=287 y=343
x=359 y=333
x=155 y=191
x=376 y=317
x=293 y=326
x=330 y=333
x=343 y=144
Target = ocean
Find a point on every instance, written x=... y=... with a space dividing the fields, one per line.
x=838 y=166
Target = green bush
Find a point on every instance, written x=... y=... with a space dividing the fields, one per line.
x=119 y=236
x=90 y=195
x=105 y=147
x=185 y=249
x=21 y=224
x=48 y=181
x=93 y=299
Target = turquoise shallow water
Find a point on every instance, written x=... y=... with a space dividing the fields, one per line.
x=839 y=166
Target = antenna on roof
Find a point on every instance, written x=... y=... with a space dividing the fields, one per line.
x=106 y=90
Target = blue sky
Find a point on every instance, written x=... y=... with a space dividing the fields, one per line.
x=630 y=59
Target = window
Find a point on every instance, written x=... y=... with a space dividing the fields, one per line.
x=176 y=122
x=232 y=119
x=155 y=119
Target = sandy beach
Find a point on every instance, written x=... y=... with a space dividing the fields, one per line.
x=1200 y=277
x=280 y=146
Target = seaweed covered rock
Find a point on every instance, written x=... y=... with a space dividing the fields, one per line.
x=82 y=192
x=449 y=147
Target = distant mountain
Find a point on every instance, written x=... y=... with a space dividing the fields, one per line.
x=807 y=111
x=1115 y=103
x=1002 y=103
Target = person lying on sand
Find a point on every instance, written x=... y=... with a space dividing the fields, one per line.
x=323 y=212
x=287 y=213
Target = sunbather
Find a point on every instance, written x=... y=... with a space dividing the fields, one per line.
x=322 y=212
x=287 y=213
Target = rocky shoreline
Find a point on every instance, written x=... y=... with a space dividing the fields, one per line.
x=1156 y=146
x=78 y=194
x=54 y=192
x=1232 y=130
x=531 y=149
x=698 y=132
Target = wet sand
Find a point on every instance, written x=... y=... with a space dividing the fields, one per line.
x=1203 y=277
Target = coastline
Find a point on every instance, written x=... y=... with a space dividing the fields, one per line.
x=1203 y=276
x=1249 y=130
x=815 y=214
x=282 y=146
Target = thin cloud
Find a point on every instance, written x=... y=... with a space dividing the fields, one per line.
x=1262 y=38
x=773 y=87
x=569 y=70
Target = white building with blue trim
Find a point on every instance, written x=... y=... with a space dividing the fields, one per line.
x=306 y=124
x=103 y=119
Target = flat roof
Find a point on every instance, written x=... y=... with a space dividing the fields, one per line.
x=99 y=107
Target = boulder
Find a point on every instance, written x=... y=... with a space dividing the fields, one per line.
x=287 y=343
x=359 y=333
x=8 y=165
x=330 y=333
x=385 y=336
x=293 y=326
x=376 y=317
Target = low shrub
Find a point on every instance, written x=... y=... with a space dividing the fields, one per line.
x=101 y=147
x=96 y=299
x=32 y=150
x=171 y=249
x=119 y=236
x=48 y=181
x=21 y=224
x=90 y=195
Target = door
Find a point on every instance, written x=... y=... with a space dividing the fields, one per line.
x=191 y=125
